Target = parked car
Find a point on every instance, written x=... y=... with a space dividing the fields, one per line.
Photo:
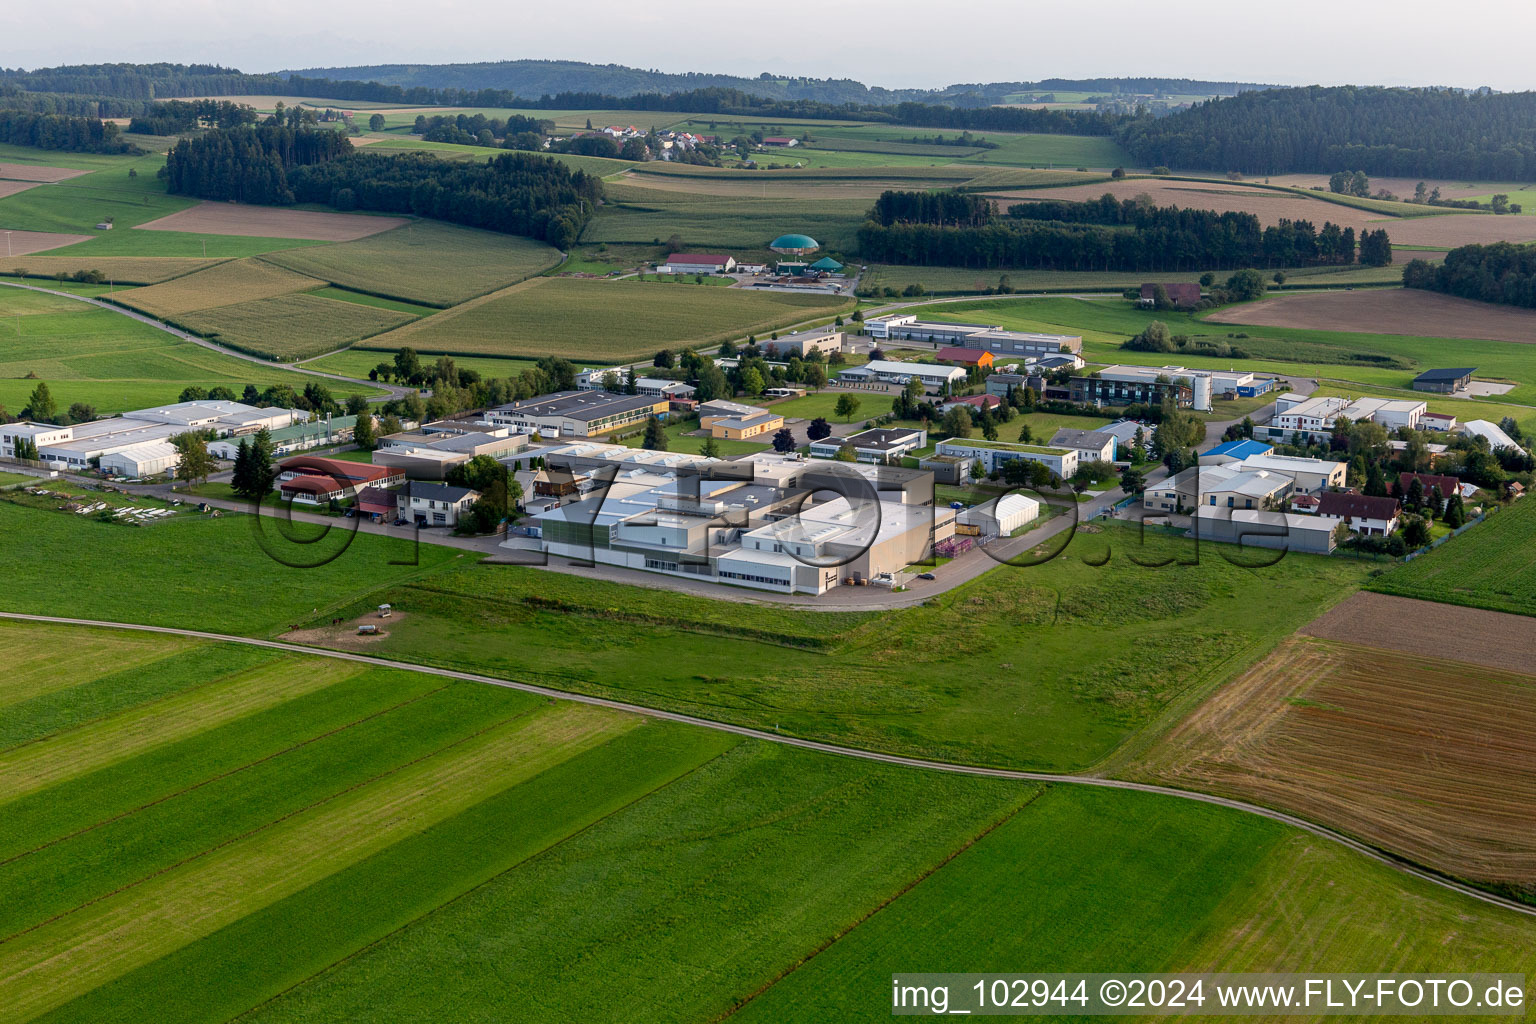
x=926 y=576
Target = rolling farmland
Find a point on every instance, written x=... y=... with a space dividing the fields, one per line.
x=109 y=361
x=602 y=320
x=426 y=261
x=118 y=269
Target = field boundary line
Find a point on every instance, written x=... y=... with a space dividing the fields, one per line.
x=328 y=968
x=901 y=760
x=880 y=908
x=224 y=775
x=231 y=840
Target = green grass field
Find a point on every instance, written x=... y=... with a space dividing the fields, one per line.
x=1493 y=566
x=426 y=262
x=111 y=361
x=1095 y=878
x=1054 y=665
x=321 y=840
x=601 y=320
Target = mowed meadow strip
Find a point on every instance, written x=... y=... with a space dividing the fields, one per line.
x=49 y=965
x=1428 y=758
x=597 y=320
x=48 y=762
x=425 y=261
x=289 y=327
x=45 y=659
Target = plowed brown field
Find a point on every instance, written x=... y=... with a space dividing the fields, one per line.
x=1387 y=311
x=271 y=222
x=38 y=172
x=1432 y=759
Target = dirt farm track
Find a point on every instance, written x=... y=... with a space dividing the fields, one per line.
x=1387 y=311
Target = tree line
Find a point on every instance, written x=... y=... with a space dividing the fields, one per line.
x=62 y=132
x=1502 y=272
x=1101 y=234
x=1393 y=132
x=274 y=164
x=176 y=116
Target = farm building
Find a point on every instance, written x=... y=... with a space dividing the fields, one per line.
x=1362 y=513
x=876 y=445
x=1090 y=445
x=1181 y=294
x=433 y=504
x=780 y=141
x=1445 y=381
x=999 y=517
x=794 y=245
x=964 y=356
x=1283 y=531
x=1233 y=451
x=698 y=263
x=827 y=265
x=150 y=459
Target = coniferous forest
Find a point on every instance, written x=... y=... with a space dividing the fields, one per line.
x=1501 y=272
x=272 y=164
x=1103 y=234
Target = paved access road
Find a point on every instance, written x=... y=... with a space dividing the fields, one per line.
x=824 y=748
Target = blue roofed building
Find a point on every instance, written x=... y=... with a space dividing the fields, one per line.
x=1234 y=451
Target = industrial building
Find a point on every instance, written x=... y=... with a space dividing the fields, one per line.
x=826 y=342
x=1314 y=417
x=287 y=440
x=577 y=413
x=429 y=453
x=1490 y=432
x=433 y=504
x=990 y=337
x=887 y=371
x=775 y=522
x=143 y=460
x=1277 y=530
x=79 y=445
x=1090 y=445
x=1233 y=451
x=1000 y=517
x=307 y=478
x=994 y=454
x=874 y=446
x=743 y=427
x=1191 y=389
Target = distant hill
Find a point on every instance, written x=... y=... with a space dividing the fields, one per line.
x=533 y=78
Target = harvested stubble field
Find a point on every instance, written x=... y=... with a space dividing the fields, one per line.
x=118 y=269
x=23 y=243
x=594 y=319
x=425 y=261
x=223 y=285
x=1443 y=230
x=290 y=327
x=271 y=222
x=1409 y=311
x=1432 y=759
x=38 y=173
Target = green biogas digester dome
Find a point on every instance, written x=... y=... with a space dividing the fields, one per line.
x=794 y=245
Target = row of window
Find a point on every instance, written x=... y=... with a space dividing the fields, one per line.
x=753 y=579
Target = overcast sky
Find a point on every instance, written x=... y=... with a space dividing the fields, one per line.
x=899 y=43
